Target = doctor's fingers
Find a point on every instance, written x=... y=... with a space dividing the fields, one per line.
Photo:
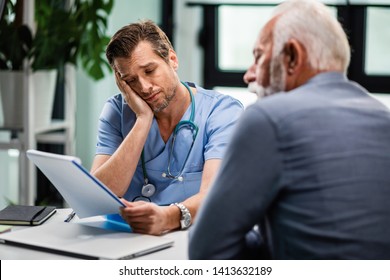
x=145 y=224
x=134 y=101
x=131 y=203
x=124 y=88
x=122 y=85
x=145 y=228
x=149 y=220
x=141 y=210
x=149 y=216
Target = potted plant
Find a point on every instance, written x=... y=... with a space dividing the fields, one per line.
x=16 y=37
x=73 y=33
x=15 y=45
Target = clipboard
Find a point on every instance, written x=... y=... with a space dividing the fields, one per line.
x=81 y=190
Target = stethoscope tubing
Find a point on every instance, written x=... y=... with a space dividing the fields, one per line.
x=149 y=189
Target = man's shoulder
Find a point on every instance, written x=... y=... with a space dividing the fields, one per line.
x=217 y=98
x=115 y=106
x=281 y=101
x=116 y=102
x=116 y=98
x=283 y=105
x=320 y=94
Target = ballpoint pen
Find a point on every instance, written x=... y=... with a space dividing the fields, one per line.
x=70 y=217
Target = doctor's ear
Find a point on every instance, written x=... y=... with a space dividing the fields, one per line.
x=173 y=60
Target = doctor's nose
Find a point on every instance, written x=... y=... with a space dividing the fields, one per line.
x=145 y=86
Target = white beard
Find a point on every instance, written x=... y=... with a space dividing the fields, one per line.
x=253 y=87
x=277 y=80
x=260 y=91
x=263 y=92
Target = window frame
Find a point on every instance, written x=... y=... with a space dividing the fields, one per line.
x=352 y=17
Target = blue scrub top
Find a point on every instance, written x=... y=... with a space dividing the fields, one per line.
x=215 y=115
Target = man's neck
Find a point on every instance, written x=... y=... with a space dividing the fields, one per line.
x=168 y=118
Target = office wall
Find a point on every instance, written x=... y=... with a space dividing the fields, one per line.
x=9 y=177
x=187 y=25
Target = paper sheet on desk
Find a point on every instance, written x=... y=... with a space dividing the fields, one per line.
x=111 y=222
x=83 y=192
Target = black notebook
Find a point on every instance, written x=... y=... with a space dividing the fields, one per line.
x=26 y=215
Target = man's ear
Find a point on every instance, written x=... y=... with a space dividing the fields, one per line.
x=173 y=60
x=294 y=56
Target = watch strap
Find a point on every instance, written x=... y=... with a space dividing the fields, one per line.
x=185 y=219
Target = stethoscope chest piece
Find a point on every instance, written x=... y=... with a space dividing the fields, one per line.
x=148 y=190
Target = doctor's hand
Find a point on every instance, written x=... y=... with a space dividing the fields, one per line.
x=135 y=102
x=145 y=217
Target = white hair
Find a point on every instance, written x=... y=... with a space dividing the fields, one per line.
x=311 y=23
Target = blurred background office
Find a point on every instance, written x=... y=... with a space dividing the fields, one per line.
x=214 y=41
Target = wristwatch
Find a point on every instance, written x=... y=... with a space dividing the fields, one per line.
x=185 y=220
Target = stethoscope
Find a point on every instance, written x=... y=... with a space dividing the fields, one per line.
x=148 y=189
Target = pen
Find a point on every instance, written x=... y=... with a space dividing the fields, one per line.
x=70 y=217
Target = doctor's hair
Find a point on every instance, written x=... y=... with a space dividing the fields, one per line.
x=311 y=23
x=126 y=39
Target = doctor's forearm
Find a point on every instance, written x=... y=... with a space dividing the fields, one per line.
x=210 y=170
x=174 y=214
x=117 y=172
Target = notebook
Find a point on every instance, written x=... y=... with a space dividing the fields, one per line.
x=81 y=190
x=26 y=214
x=85 y=242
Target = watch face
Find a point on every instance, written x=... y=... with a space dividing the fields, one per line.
x=187 y=221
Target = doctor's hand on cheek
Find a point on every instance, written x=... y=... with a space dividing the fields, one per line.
x=145 y=217
x=135 y=102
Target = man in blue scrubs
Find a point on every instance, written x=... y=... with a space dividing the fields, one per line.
x=308 y=165
x=161 y=140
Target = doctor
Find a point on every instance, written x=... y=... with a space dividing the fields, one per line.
x=161 y=140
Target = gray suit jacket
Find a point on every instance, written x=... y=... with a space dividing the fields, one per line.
x=314 y=165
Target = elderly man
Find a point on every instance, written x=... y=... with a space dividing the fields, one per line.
x=308 y=167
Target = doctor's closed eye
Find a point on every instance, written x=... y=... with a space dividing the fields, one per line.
x=130 y=81
x=150 y=70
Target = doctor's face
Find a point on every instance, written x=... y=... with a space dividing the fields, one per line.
x=149 y=75
x=266 y=75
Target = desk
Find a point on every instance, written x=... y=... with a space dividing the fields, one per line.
x=178 y=251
